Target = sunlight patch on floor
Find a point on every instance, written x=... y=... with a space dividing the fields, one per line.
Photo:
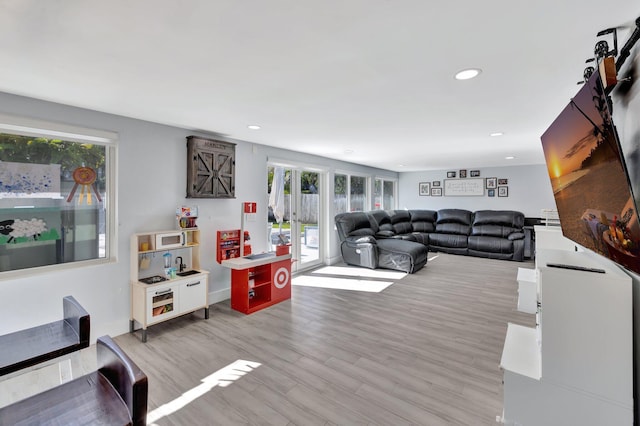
x=352 y=271
x=342 y=283
x=222 y=378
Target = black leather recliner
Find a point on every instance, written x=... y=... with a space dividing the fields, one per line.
x=497 y=234
x=361 y=245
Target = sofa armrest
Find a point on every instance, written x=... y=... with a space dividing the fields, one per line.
x=78 y=318
x=385 y=234
x=357 y=241
x=516 y=236
x=125 y=376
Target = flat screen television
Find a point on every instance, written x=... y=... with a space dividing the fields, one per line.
x=589 y=177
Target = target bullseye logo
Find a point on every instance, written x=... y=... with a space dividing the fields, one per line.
x=281 y=278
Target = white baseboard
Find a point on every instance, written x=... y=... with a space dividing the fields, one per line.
x=219 y=295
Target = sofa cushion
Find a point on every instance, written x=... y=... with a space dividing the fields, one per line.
x=454 y=216
x=401 y=221
x=448 y=240
x=354 y=224
x=490 y=244
x=402 y=255
x=497 y=223
x=453 y=229
x=423 y=220
x=507 y=218
x=382 y=220
x=421 y=237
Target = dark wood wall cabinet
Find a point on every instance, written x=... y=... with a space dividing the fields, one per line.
x=211 y=168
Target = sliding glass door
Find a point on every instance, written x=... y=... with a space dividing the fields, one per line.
x=295 y=217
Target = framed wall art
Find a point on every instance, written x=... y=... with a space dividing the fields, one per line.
x=451 y=174
x=503 y=181
x=463 y=187
x=424 y=188
x=436 y=192
x=491 y=192
x=503 y=191
x=463 y=173
x=435 y=183
x=474 y=173
x=492 y=183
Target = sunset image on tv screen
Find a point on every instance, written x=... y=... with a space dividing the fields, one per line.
x=589 y=180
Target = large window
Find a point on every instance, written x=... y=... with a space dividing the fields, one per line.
x=384 y=194
x=350 y=193
x=55 y=196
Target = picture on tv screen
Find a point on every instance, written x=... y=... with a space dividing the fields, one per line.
x=589 y=178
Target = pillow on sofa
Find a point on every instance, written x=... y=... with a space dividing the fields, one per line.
x=508 y=218
x=423 y=220
x=454 y=216
x=452 y=228
x=401 y=221
x=382 y=219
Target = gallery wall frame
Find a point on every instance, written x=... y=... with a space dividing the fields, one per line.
x=436 y=192
x=492 y=183
x=424 y=188
x=503 y=191
x=464 y=187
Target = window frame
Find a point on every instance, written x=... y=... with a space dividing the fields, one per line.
x=367 y=188
x=394 y=182
x=40 y=128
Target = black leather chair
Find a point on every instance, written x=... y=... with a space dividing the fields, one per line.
x=359 y=245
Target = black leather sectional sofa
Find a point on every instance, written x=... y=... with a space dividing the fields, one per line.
x=401 y=239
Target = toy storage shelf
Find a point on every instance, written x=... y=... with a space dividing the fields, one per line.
x=259 y=283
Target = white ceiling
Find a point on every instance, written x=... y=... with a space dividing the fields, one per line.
x=366 y=81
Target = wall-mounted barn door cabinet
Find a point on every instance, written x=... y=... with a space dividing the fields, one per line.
x=211 y=168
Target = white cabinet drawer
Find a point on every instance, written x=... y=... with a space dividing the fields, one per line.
x=162 y=303
x=193 y=294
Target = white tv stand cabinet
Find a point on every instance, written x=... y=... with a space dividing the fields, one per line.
x=575 y=367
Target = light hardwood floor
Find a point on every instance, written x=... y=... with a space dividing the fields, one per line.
x=425 y=351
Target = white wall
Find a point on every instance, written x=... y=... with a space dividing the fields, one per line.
x=529 y=191
x=151 y=183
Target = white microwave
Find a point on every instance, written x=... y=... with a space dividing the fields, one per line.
x=169 y=240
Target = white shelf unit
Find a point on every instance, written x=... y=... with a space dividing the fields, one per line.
x=576 y=366
x=527 y=290
x=164 y=300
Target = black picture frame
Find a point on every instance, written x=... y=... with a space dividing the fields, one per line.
x=491 y=192
x=463 y=173
x=474 y=173
x=424 y=189
x=502 y=182
x=435 y=184
x=503 y=191
x=492 y=183
x=451 y=174
x=436 y=192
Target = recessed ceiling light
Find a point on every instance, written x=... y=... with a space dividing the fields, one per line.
x=496 y=134
x=253 y=127
x=509 y=157
x=468 y=73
